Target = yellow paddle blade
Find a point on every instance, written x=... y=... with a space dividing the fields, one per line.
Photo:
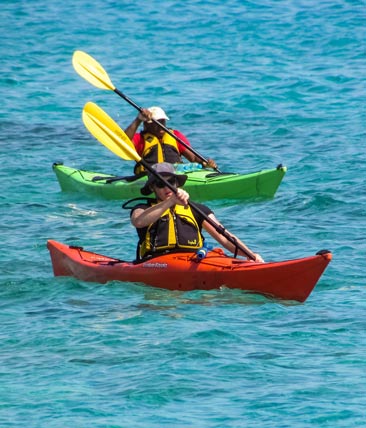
x=106 y=131
x=91 y=70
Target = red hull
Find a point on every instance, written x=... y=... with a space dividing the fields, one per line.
x=289 y=280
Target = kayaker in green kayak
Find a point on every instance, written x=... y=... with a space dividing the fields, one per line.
x=154 y=145
x=168 y=222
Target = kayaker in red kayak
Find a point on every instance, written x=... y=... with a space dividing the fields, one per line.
x=154 y=145
x=169 y=223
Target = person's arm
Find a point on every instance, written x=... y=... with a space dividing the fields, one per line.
x=144 y=217
x=225 y=242
x=190 y=155
x=134 y=125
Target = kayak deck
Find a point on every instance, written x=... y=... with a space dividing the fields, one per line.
x=202 y=184
x=289 y=280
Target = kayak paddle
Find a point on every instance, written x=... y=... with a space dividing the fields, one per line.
x=108 y=132
x=90 y=69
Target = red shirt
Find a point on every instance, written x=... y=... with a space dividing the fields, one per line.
x=139 y=143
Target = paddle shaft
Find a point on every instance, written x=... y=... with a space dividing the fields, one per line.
x=125 y=97
x=220 y=229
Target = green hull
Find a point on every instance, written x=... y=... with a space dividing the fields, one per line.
x=202 y=185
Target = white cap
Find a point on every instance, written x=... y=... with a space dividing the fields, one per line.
x=158 y=113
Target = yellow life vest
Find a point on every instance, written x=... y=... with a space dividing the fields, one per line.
x=156 y=151
x=176 y=228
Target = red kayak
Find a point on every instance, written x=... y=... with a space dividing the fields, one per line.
x=289 y=280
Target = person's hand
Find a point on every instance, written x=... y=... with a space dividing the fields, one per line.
x=181 y=197
x=258 y=258
x=209 y=164
x=145 y=115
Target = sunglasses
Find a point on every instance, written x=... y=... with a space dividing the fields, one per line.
x=160 y=184
x=154 y=124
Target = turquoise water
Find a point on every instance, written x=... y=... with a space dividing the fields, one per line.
x=252 y=84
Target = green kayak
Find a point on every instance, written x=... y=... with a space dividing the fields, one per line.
x=202 y=184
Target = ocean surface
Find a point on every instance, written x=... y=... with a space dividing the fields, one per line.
x=252 y=84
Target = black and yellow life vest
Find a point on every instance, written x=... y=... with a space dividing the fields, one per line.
x=177 y=228
x=156 y=151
